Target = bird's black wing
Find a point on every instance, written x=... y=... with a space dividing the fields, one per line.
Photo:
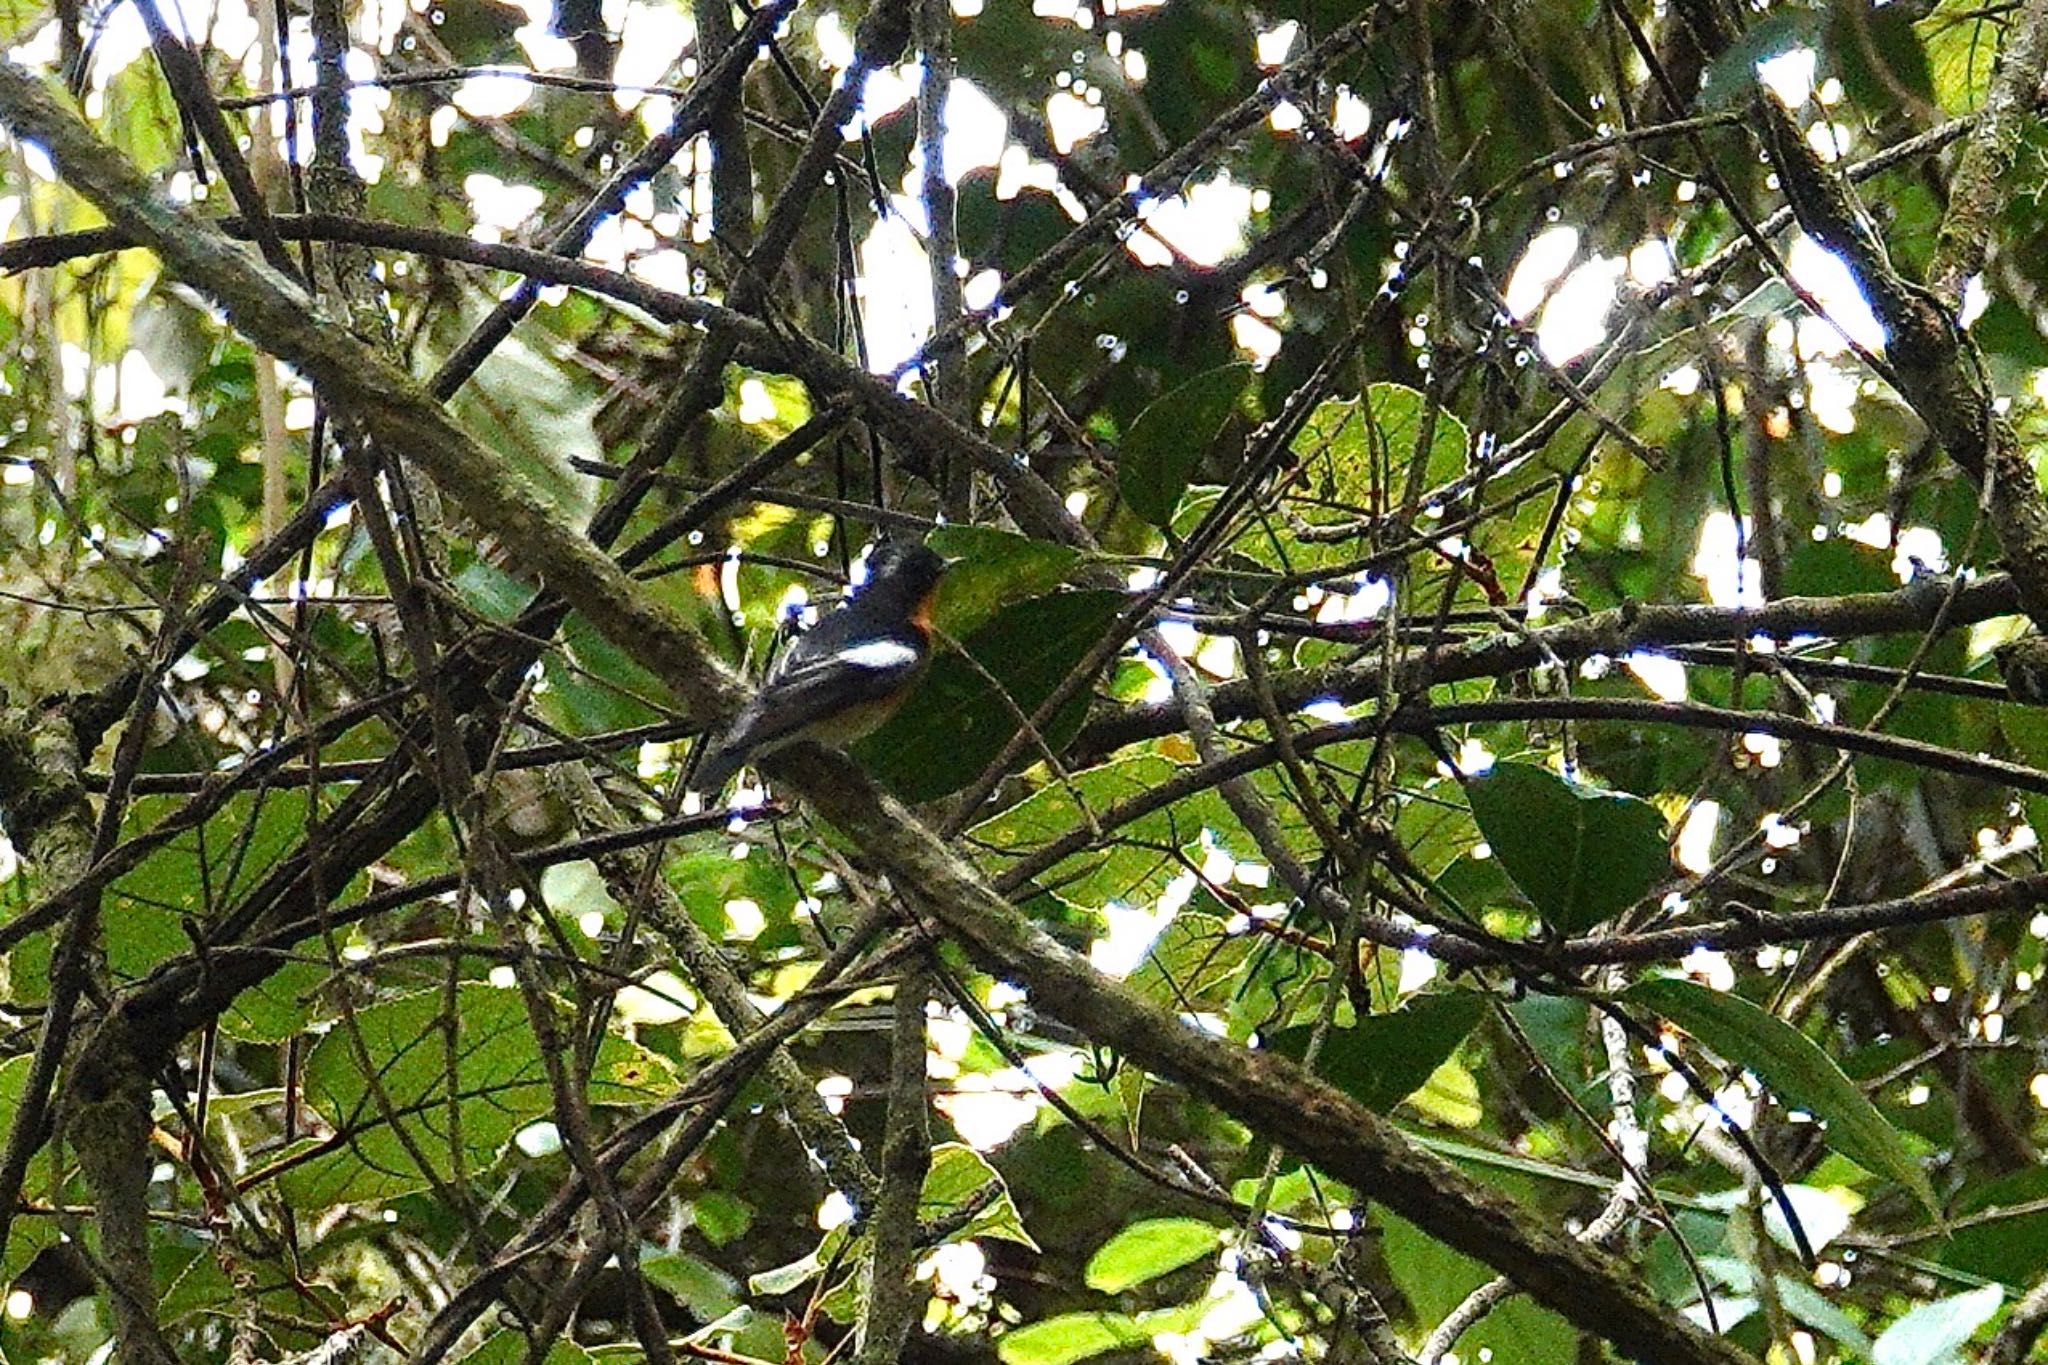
x=813 y=682
x=816 y=647
x=832 y=669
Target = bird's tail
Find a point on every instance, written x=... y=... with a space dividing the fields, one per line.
x=716 y=770
x=724 y=753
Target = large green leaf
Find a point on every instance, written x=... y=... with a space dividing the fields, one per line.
x=958 y=722
x=1934 y=1333
x=1148 y=1249
x=537 y=417
x=1578 y=853
x=459 y=1083
x=1383 y=1059
x=28 y=1236
x=1165 y=445
x=1357 y=453
x=1434 y=1279
x=1962 y=43
x=278 y=1006
x=1196 y=963
x=195 y=873
x=960 y=1176
x=1390 y=430
x=1350 y=447
x=1071 y=1337
x=708 y=1292
x=1130 y=869
x=992 y=569
x=1795 y=1069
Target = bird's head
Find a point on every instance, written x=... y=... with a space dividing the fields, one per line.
x=906 y=574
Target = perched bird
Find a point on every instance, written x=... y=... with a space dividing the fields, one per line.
x=2023 y=663
x=845 y=675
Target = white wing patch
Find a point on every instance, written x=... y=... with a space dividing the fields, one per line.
x=879 y=655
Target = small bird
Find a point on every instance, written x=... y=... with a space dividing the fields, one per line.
x=844 y=676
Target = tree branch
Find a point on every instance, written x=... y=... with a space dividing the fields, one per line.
x=1273 y=1096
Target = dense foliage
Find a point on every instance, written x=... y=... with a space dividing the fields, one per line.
x=1477 y=796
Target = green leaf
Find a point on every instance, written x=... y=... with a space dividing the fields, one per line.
x=1879 y=55
x=1071 y=1337
x=1578 y=853
x=1934 y=1333
x=1962 y=42
x=1194 y=964
x=477 y=1069
x=1146 y=1250
x=707 y=878
x=195 y=873
x=597 y=685
x=1450 y=1097
x=1129 y=1088
x=992 y=569
x=708 y=1292
x=957 y=723
x=1813 y=1308
x=278 y=1006
x=1390 y=432
x=1383 y=1059
x=722 y=1218
x=509 y=1348
x=1131 y=867
x=1821 y=568
x=1795 y=1069
x=495 y=594
x=538 y=418
x=194 y=1281
x=2009 y=332
x=1167 y=442
x=959 y=1175
x=783 y=1278
x=1351 y=450
x=1434 y=1279
x=28 y=1236
x=1347 y=446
